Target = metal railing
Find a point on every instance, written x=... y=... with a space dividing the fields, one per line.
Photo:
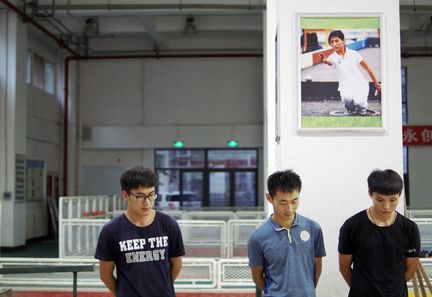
x=196 y=273
x=49 y=269
x=258 y=292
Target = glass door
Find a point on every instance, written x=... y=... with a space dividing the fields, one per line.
x=192 y=189
x=180 y=189
x=202 y=178
x=232 y=188
x=219 y=188
x=245 y=189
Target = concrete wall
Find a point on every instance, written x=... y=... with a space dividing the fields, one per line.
x=419 y=106
x=129 y=107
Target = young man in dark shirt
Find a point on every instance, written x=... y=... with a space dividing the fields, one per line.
x=379 y=247
x=143 y=245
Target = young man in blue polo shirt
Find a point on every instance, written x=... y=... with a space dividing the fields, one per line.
x=285 y=252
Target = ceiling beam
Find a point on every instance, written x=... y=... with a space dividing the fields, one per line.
x=154 y=8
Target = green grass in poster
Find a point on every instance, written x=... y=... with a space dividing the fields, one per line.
x=339 y=22
x=341 y=122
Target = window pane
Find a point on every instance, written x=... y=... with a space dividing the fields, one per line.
x=192 y=191
x=29 y=68
x=404 y=83
x=405 y=159
x=180 y=159
x=38 y=71
x=49 y=79
x=219 y=188
x=245 y=189
x=232 y=159
x=168 y=186
x=404 y=95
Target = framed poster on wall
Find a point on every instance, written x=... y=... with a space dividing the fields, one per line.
x=340 y=73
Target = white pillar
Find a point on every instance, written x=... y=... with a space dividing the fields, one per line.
x=13 y=36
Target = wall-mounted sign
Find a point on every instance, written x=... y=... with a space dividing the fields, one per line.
x=20 y=177
x=35 y=179
x=417 y=135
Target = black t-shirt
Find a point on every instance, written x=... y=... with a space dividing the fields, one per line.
x=378 y=254
x=141 y=255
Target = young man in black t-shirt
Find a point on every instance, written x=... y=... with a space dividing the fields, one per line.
x=378 y=247
x=144 y=246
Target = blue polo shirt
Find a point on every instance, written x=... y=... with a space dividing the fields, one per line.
x=288 y=256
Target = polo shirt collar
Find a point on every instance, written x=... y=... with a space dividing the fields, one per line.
x=277 y=227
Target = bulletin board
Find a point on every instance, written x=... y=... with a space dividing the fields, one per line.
x=35 y=179
x=19 y=177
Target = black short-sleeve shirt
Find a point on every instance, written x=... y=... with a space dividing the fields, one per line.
x=141 y=255
x=379 y=254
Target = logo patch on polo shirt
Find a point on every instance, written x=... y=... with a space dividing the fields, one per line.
x=304 y=235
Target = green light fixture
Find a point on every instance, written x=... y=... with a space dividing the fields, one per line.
x=178 y=144
x=232 y=143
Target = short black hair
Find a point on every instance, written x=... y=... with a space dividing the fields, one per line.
x=285 y=181
x=336 y=33
x=137 y=176
x=385 y=182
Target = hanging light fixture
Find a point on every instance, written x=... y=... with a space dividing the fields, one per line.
x=190 y=28
x=232 y=142
x=91 y=27
x=177 y=142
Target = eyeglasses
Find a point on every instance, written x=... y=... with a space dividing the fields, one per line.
x=142 y=197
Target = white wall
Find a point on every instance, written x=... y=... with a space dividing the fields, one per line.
x=419 y=106
x=130 y=107
x=43 y=142
x=43 y=128
x=187 y=91
x=334 y=166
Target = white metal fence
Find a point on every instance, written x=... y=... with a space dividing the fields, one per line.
x=204 y=238
x=213 y=239
x=238 y=235
x=216 y=249
x=196 y=273
x=81 y=220
x=419 y=213
x=425 y=229
x=215 y=244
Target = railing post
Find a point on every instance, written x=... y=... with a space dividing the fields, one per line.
x=75 y=280
x=50 y=269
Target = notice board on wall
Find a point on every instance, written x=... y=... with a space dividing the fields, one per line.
x=19 y=177
x=35 y=179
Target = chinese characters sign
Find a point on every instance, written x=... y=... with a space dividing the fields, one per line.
x=417 y=135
